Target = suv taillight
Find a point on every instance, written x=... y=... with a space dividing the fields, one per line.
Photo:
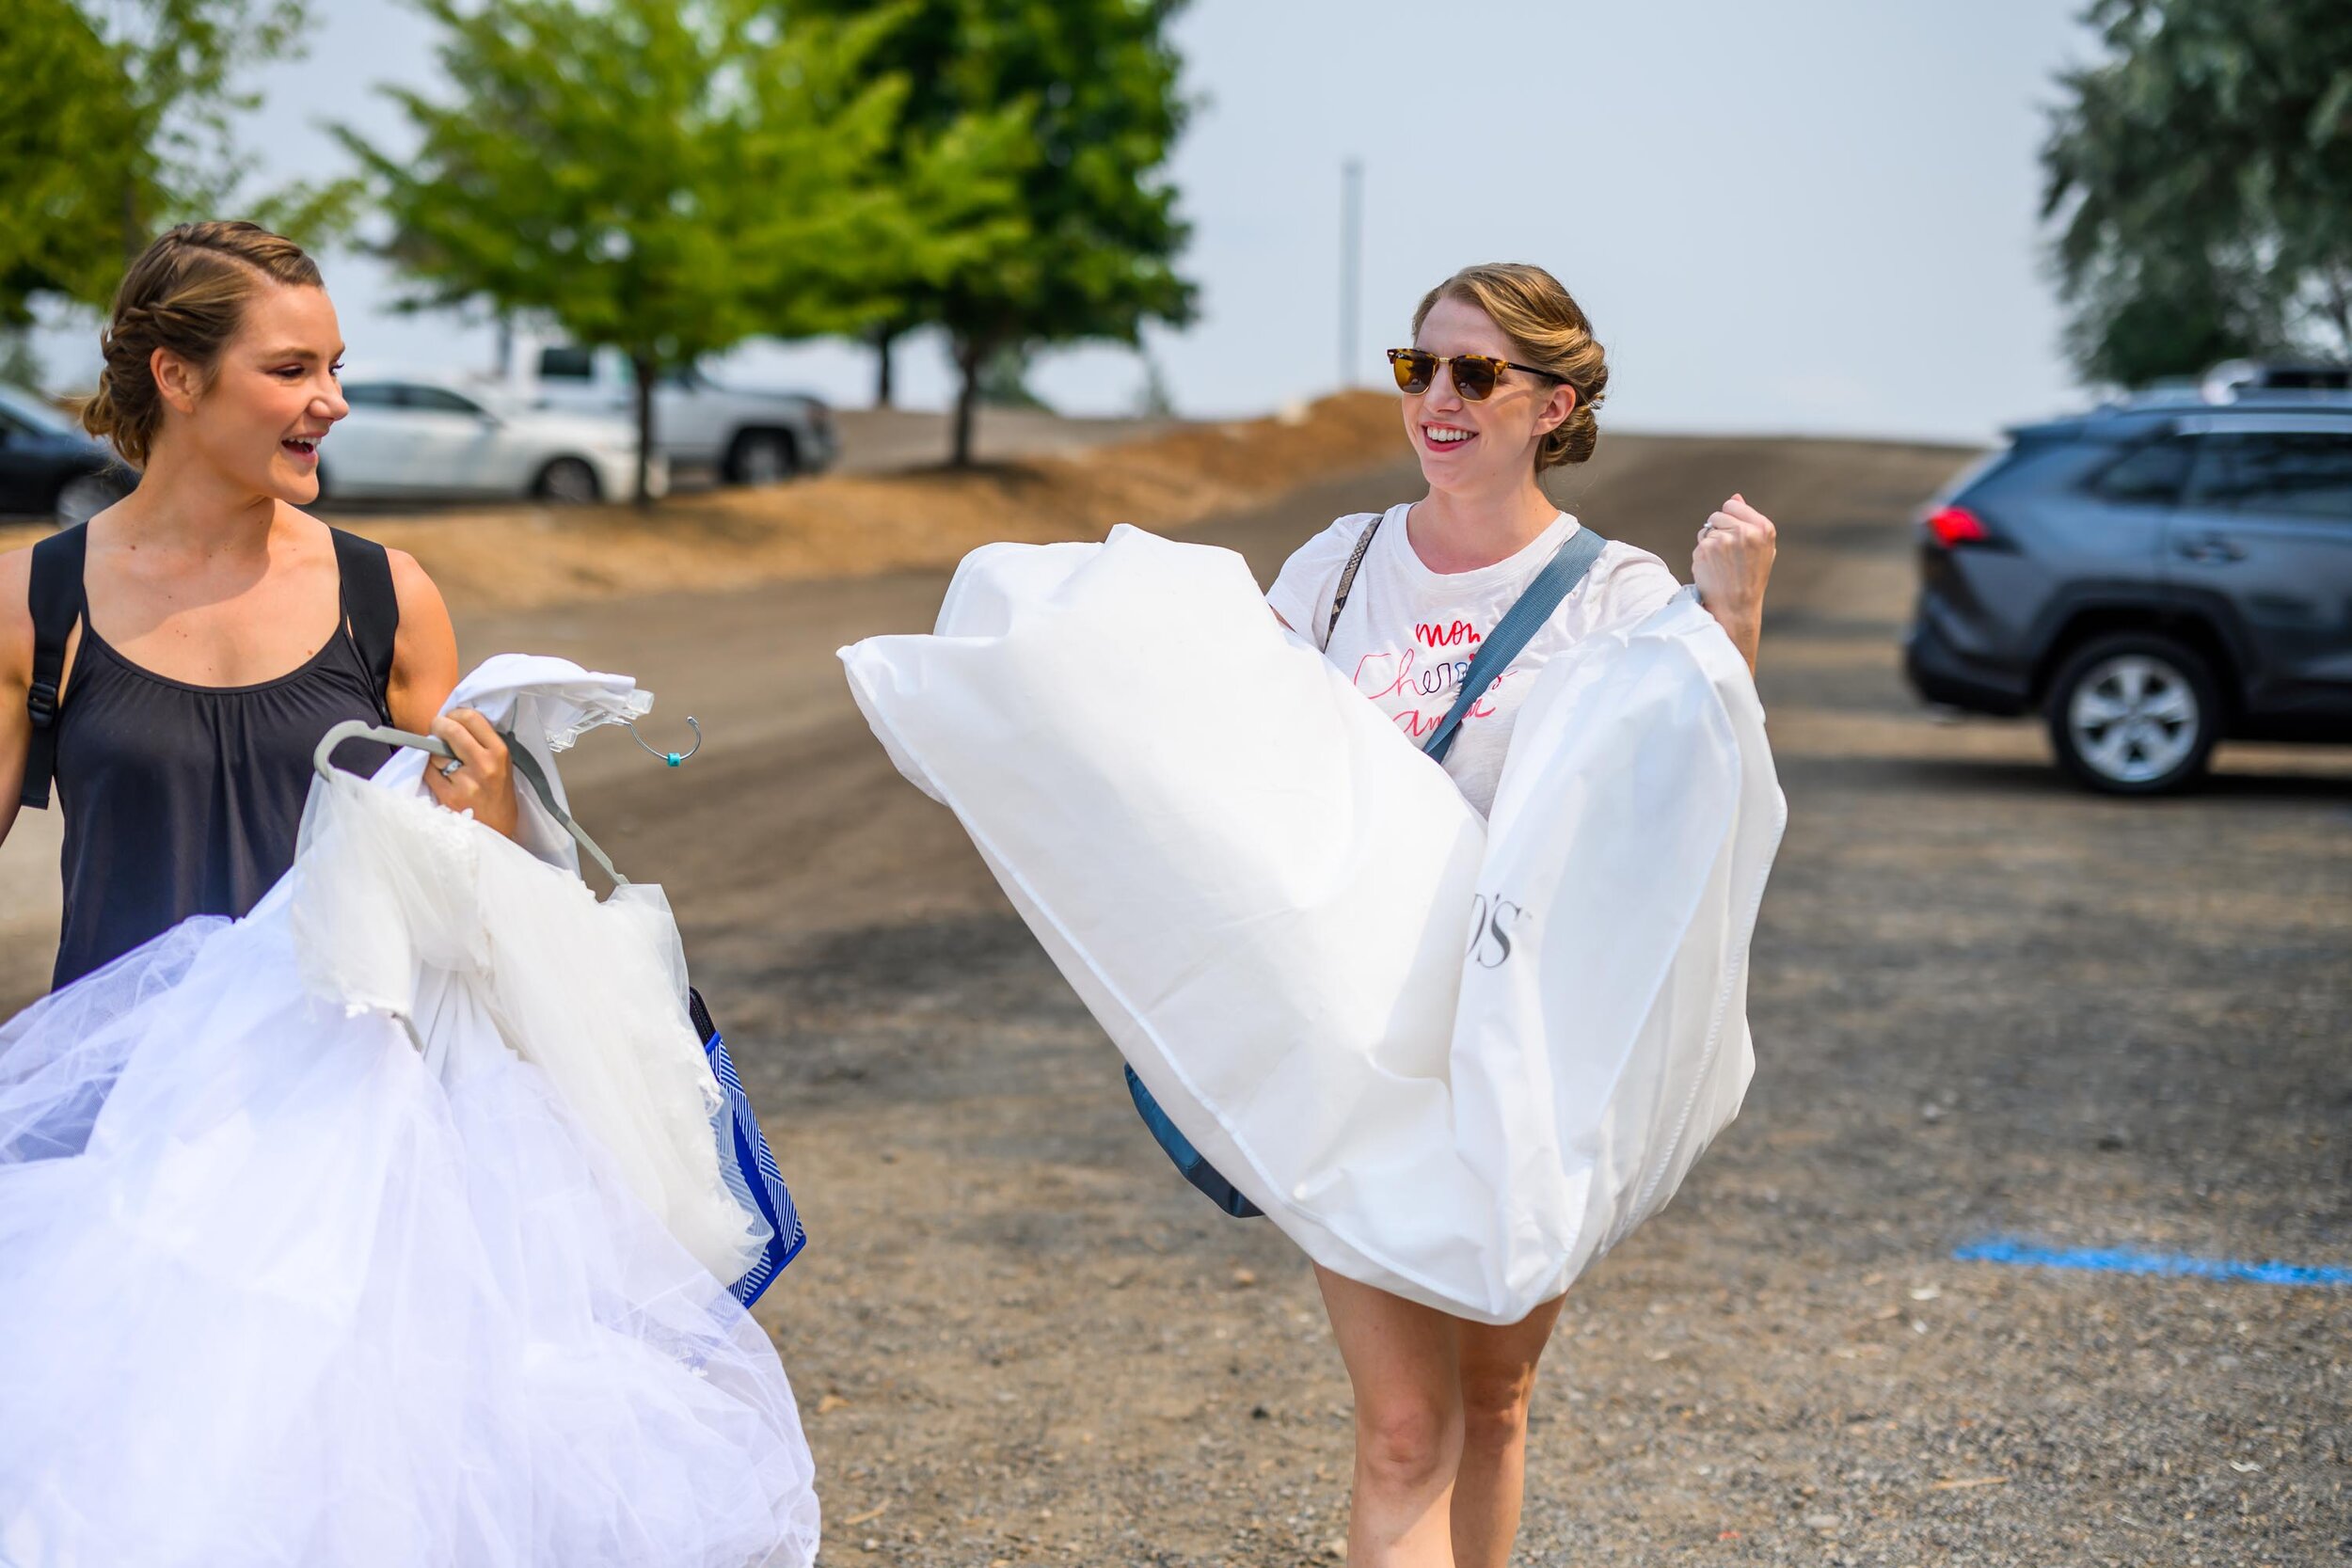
x=1953 y=526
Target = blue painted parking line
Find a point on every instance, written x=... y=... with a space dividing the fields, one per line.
x=2005 y=1249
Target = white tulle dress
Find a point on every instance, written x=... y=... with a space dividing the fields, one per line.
x=387 y=1226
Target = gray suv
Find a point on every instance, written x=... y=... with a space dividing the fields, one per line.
x=2152 y=577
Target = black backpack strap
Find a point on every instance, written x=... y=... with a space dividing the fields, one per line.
x=370 y=608
x=57 y=601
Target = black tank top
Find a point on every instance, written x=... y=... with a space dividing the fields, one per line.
x=185 y=800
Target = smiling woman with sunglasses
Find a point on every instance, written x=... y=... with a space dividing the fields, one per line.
x=1503 y=382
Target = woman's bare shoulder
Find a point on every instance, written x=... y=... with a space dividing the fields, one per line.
x=425 y=649
x=413 y=588
x=411 y=581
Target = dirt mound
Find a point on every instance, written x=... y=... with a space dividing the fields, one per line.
x=851 y=524
x=1650 y=490
x=847 y=524
x=841 y=525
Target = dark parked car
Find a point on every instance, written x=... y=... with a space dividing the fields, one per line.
x=49 y=467
x=2152 y=577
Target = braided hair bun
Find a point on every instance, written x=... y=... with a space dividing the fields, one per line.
x=187 y=293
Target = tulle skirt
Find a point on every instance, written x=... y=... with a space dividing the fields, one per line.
x=276 y=1287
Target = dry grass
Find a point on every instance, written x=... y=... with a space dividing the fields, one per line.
x=512 y=557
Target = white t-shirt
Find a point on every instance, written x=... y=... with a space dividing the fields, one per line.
x=1408 y=634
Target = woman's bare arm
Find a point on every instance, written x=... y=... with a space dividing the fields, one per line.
x=424 y=673
x=16 y=679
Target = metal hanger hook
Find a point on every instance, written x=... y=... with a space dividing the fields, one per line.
x=672 y=759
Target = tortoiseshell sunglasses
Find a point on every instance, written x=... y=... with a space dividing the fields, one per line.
x=1474 y=374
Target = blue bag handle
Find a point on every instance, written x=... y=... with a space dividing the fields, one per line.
x=748 y=1167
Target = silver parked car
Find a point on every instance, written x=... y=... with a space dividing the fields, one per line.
x=742 y=437
x=426 y=437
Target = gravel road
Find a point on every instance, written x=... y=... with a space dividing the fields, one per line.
x=1984 y=1006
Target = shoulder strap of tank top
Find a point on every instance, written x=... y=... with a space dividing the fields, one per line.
x=370 y=607
x=1347 y=577
x=57 y=601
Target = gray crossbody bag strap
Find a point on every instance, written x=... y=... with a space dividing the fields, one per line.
x=1347 y=577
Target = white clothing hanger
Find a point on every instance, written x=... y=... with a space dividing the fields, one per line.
x=525 y=764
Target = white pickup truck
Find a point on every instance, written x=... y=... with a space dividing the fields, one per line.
x=744 y=437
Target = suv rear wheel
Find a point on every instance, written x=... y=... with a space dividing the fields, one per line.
x=762 y=457
x=2134 y=713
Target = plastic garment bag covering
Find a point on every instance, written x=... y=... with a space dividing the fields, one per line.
x=1453 y=1060
x=409 y=910
x=333 y=1237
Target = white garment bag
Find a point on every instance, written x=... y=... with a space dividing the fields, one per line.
x=1601 y=1038
x=1290 y=922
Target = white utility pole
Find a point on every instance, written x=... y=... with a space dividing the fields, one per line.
x=1351 y=265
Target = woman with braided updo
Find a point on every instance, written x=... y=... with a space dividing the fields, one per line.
x=398 y=1220
x=174 y=662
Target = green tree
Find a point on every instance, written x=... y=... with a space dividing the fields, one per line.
x=960 y=209
x=2200 y=177
x=117 y=125
x=664 y=179
x=60 y=156
x=1096 y=86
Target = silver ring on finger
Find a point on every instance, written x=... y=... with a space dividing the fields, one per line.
x=448 y=768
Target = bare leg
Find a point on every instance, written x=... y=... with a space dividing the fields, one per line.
x=1403 y=1361
x=1496 y=1372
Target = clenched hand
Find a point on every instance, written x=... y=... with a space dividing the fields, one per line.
x=1731 y=566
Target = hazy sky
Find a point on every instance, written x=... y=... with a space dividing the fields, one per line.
x=1813 y=216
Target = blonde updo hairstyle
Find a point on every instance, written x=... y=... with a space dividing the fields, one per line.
x=1548 y=329
x=186 y=292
